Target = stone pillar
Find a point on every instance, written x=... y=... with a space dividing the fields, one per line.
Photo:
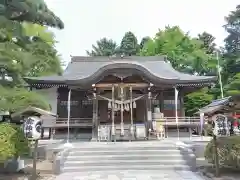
x=95 y=115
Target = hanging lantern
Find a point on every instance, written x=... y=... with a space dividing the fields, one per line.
x=134 y=105
x=109 y=105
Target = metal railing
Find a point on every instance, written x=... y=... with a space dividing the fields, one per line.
x=74 y=122
x=167 y=121
x=182 y=121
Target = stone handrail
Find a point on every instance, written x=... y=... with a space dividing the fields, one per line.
x=59 y=159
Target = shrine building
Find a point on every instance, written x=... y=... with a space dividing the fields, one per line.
x=121 y=95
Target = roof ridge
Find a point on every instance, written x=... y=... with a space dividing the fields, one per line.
x=116 y=58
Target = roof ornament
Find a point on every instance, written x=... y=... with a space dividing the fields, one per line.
x=166 y=59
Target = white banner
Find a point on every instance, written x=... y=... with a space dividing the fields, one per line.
x=176 y=103
x=69 y=103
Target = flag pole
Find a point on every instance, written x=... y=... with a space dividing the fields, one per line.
x=219 y=74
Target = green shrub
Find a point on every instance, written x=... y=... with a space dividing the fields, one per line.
x=228 y=151
x=12 y=142
x=18 y=98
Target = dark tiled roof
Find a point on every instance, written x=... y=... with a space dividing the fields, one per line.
x=86 y=69
x=215 y=105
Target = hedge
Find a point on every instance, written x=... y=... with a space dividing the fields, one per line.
x=228 y=151
x=12 y=142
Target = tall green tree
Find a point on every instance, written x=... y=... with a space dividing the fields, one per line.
x=31 y=54
x=231 y=53
x=196 y=100
x=103 y=47
x=233 y=88
x=26 y=46
x=33 y=11
x=208 y=42
x=232 y=43
x=26 y=49
x=144 y=41
x=184 y=53
x=129 y=44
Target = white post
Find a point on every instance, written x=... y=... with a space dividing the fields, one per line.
x=113 y=116
x=67 y=144
x=131 y=112
x=201 y=123
x=176 y=110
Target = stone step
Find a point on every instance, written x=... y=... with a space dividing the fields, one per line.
x=160 y=155
x=123 y=151
x=112 y=162
x=126 y=156
x=120 y=167
x=125 y=148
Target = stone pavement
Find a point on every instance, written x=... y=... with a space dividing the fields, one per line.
x=131 y=175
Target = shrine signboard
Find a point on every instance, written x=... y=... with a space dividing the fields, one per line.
x=221 y=125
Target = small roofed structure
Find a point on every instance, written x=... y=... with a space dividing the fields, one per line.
x=217 y=106
x=32 y=111
x=229 y=106
x=47 y=117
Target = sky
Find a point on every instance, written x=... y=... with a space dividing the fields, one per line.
x=86 y=21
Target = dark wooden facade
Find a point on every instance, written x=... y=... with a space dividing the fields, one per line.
x=149 y=83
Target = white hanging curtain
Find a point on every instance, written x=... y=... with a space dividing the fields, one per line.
x=176 y=105
x=69 y=115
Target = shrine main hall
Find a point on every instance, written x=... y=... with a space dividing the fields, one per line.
x=115 y=97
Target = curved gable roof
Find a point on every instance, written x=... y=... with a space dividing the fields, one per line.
x=88 y=69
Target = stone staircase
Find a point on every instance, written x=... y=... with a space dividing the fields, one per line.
x=148 y=155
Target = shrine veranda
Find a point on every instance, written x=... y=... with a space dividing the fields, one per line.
x=115 y=98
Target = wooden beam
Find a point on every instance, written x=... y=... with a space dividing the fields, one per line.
x=107 y=85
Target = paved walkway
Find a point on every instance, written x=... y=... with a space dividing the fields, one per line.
x=131 y=175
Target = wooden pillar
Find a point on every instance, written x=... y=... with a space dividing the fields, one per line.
x=181 y=98
x=131 y=113
x=95 y=115
x=149 y=111
x=113 y=115
x=122 y=123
